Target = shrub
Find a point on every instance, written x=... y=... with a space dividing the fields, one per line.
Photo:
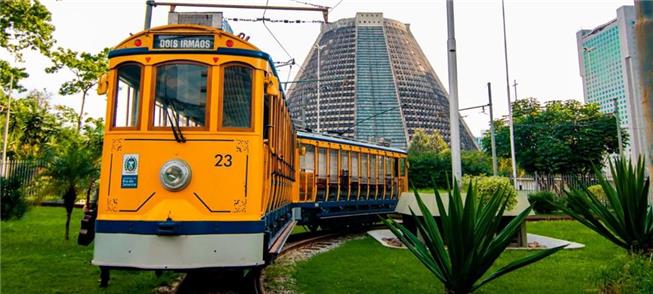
x=12 y=201
x=461 y=250
x=635 y=275
x=429 y=168
x=625 y=218
x=476 y=163
x=542 y=201
x=598 y=192
x=488 y=186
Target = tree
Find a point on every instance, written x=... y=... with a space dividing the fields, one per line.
x=31 y=127
x=469 y=240
x=424 y=142
x=25 y=24
x=10 y=76
x=560 y=137
x=87 y=69
x=74 y=163
x=476 y=163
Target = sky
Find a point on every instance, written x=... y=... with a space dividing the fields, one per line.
x=541 y=38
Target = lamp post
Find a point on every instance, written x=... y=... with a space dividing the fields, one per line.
x=495 y=167
x=512 y=130
x=319 y=48
x=616 y=116
x=493 y=145
x=6 y=134
x=454 y=133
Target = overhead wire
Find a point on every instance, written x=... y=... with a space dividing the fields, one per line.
x=334 y=7
x=267 y=2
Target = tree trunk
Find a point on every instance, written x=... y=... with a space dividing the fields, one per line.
x=67 y=225
x=81 y=111
x=69 y=204
x=451 y=291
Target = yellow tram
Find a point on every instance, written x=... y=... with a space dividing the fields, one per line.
x=202 y=167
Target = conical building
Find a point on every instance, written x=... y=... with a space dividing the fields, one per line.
x=375 y=84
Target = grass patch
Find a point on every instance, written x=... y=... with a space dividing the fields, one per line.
x=35 y=258
x=364 y=266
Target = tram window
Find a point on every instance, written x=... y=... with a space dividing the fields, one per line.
x=181 y=91
x=379 y=167
x=354 y=164
x=344 y=160
x=372 y=167
x=128 y=96
x=322 y=162
x=388 y=167
x=266 y=118
x=364 y=167
x=237 y=97
x=308 y=159
x=333 y=164
x=402 y=167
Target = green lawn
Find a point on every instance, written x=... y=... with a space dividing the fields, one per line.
x=35 y=258
x=364 y=266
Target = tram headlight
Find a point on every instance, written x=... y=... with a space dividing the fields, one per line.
x=175 y=175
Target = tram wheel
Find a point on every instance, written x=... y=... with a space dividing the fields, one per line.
x=313 y=227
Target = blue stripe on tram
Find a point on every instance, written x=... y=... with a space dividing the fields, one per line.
x=179 y=228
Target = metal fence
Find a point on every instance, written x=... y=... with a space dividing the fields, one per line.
x=556 y=183
x=25 y=171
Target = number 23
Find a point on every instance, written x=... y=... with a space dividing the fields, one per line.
x=223 y=160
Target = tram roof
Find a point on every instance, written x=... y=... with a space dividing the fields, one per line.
x=333 y=139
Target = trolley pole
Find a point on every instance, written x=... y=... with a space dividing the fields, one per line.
x=149 y=4
x=644 y=33
x=454 y=133
x=495 y=168
x=510 y=120
x=6 y=134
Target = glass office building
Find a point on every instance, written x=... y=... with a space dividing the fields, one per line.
x=375 y=84
x=607 y=57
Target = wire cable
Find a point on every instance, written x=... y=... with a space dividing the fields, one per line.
x=334 y=7
x=270 y=31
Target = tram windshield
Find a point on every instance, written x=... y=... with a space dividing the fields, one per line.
x=181 y=95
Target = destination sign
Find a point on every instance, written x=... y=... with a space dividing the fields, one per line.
x=183 y=42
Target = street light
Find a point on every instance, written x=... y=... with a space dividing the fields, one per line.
x=319 y=48
x=493 y=145
x=6 y=135
x=616 y=116
x=512 y=130
x=454 y=116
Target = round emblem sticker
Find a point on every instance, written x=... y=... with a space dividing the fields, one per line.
x=130 y=164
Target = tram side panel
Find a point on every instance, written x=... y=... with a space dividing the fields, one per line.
x=338 y=180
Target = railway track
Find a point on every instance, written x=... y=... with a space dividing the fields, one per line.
x=252 y=281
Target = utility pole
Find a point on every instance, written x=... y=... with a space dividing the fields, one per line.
x=6 y=135
x=644 y=39
x=512 y=130
x=454 y=133
x=494 y=152
x=514 y=85
x=616 y=115
x=495 y=167
x=319 y=48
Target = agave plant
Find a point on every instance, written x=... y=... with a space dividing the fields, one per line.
x=624 y=217
x=462 y=250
